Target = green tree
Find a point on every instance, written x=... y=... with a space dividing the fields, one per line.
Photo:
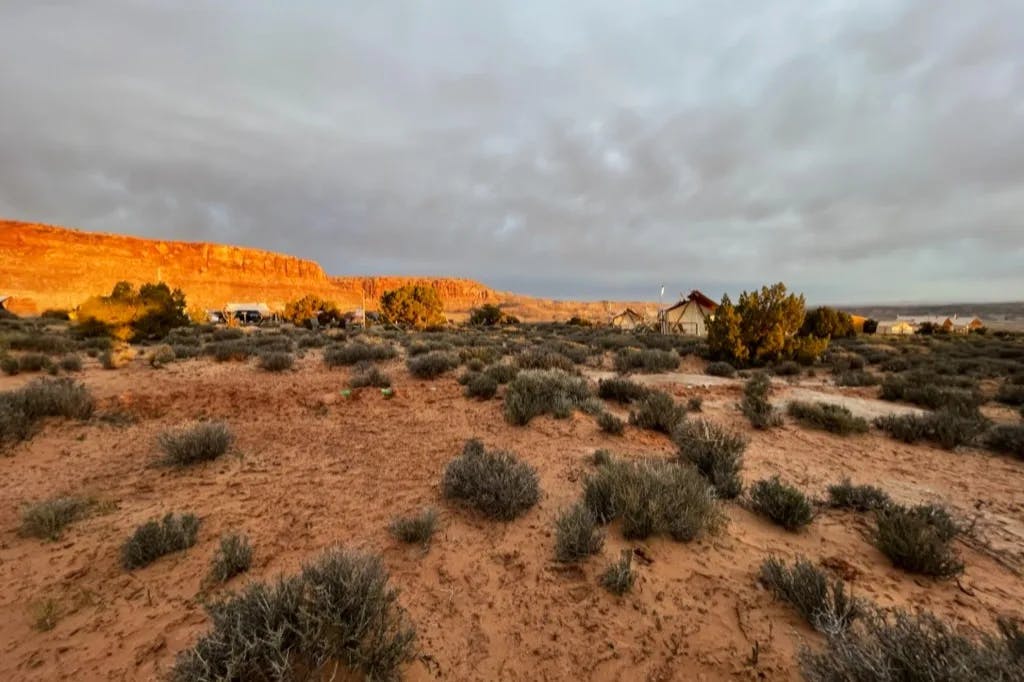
x=414 y=305
x=487 y=315
x=768 y=318
x=133 y=316
x=827 y=322
x=309 y=307
x=870 y=326
x=724 y=338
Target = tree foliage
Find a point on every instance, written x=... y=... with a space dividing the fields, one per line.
x=127 y=314
x=870 y=326
x=311 y=307
x=825 y=322
x=762 y=327
x=414 y=305
x=488 y=315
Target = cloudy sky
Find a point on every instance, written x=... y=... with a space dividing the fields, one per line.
x=860 y=150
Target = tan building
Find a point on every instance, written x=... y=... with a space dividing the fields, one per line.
x=690 y=316
x=895 y=328
x=627 y=320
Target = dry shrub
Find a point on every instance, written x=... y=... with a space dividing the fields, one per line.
x=71 y=363
x=611 y=424
x=495 y=483
x=755 y=405
x=657 y=411
x=501 y=372
x=22 y=408
x=577 y=534
x=716 y=451
x=162 y=355
x=433 y=364
x=367 y=374
x=233 y=556
x=823 y=603
x=536 y=392
x=782 y=503
x=720 y=369
x=415 y=529
x=154 y=539
x=648 y=360
x=862 y=498
x=540 y=358
x=621 y=390
x=618 y=577
x=276 y=361
x=358 y=351
x=828 y=417
x=1006 y=438
x=200 y=443
x=47 y=519
x=918 y=539
x=947 y=427
x=482 y=386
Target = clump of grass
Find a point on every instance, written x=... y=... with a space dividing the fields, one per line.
x=358 y=351
x=657 y=411
x=918 y=539
x=862 y=498
x=233 y=557
x=200 y=443
x=71 y=363
x=433 y=364
x=611 y=424
x=536 y=392
x=653 y=497
x=367 y=374
x=276 y=361
x=649 y=360
x=154 y=539
x=621 y=390
x=22 y=408
x=899 y=646
x=618 y=577
x=495 y=483
x=1006 y=438
x=415 y=529
x=823 y=603
x=720 y=369
x=33 y=362
x=338 y=610
x=755 y=405
x=601 y=457
x=717 y=453
x=47 y=519
x=782 y=503
x=828 y=417
x=948 y=428
x=577 y=534
x=482 y=386
x=45 y=615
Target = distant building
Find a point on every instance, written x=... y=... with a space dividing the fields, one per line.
x=689 y=316
x=895 y=328
x=627 y=320
x=953 y=324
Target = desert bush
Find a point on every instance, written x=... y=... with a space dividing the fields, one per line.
x=695 y=404
x=47 y=519
x=611 y=424
x=501 y=372
x=720 y=369
x=415 y=529
x=233 y=556
x=600 y=457
x=899 y=646
x=162 y=355
x=782 y=503
x=653 y=497
x=311 y=307
x=9 y=365
x=856 y=377
x=107 y=360
x=948 y=428
x=154 y=539
x=276 y=361
x=433 y=364
x=495 y=483
x=828 y=417
x=71 y=363
x=823 y=603
x=536 y=392
x=22 y=408
x=648 y=360
x=482 y=386
x=33 y=362
x=918 y=539
x=367 y=374
x=618 y=577
x=358 y=351
x=340 y=609
x=238 y=350
x=39 y=342
x=621 y=390
x=717 y=453
x=1006 y=438
x=789 y=368
x=932 y=391
x=577 y=534
x=657 y=411
x=755 y=405
x=846 y=495
x=149 y=313
x=414 y=305
x=200 y=443
x=1010 y=393
x=540 y=358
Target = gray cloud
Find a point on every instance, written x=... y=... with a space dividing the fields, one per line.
x=860 y=151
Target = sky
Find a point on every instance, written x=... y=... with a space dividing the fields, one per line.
x=862 y=151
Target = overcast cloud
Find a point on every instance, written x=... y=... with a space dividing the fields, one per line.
x=861 y=151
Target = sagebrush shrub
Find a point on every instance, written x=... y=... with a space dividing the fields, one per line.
x=946 y=427
x=358 y=351
x=828 y=417
x=782 y=503
x=618 y=577
x=755 y=405
x=9 y=365
x=233 y=556
x=789 y=368
x=482 y=386
x=495 y=483
x=340 y=609
x=650 y=360
x=657 y=411
x=501 y=372
x=22 y=408
x=611 y=424
x=918 y=539
x=695 y=404
x=863 y=498
x=716 y=451
x=433 y=364
x=1010 y=393
x=47 y=519
x=367 y=374
x=536 y=392
x=200 y=443
x=720 y=369
x=856 y=377
x=154 y=539
x=33 y=362
x=71 y=363
x=540 y=358
x=415 y=529
x=577 y=534
x=1006 y=438
x=276 y=361
x=621 y=390
x=823 y=603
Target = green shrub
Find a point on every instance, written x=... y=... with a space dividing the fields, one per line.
x=828 y=417
x=1010 y=393
x=1006 y=438
x=618 y=577
x=902 y=647
x=9 y=365
x=154 y=539
x=648 y=360
x=856 y=378
x=946 y=427
x=611 y=424
x=577 y=534
x=200 y=443
x=339 y=609
x=540 y=358
x=788 y=368
x=720 y=369
x=33 y=362
x=234 y=556
x=495 y=483
x=358 y=351
x=433 y=364
x=481 y=386
x=917 y=539
x=367 y=374
x=653 y=497
x=415 y=529
x=717 y=453
x=71 y=363
x=276 y=361
x=47 y=519
x=823 y=603
x=536 y=392
x=782 y=503
x=657 y=411
x=22 y=408
x=601 y=457
x=502 y=372
x=755 y=405
x=862 y=498
x=932 y=391
x=621 y=390
x=695 y=404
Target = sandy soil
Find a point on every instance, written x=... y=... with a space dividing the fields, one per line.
x=311 y=470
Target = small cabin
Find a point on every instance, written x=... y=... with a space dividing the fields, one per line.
x=689 y=316
x=627 y=320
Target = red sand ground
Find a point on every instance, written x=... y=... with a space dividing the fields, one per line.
x=487 y=599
